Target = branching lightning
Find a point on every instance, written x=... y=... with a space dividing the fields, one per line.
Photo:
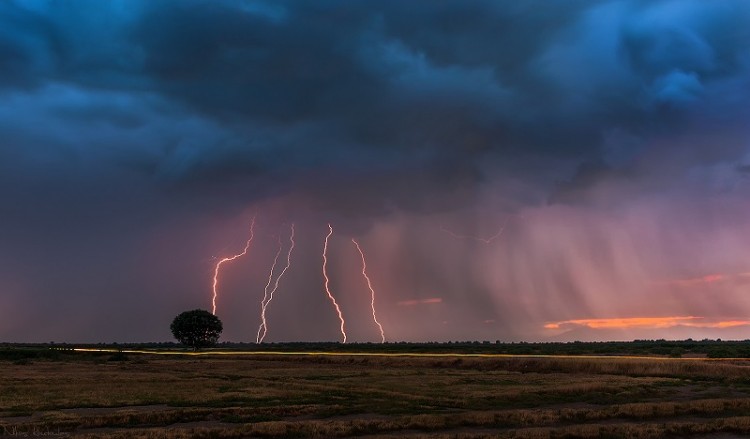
x=268 y=296
x=372 y=291
x=228 y=259
x=265 y=291
x=327 y=281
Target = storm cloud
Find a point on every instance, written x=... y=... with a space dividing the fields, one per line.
x=139 y=138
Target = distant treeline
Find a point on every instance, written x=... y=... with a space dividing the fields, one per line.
x=683 y=348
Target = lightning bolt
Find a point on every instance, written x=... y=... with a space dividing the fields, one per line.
x=265 y=291
x=269 y=296
x=372 y=291
x=325 y=276
x=229 y=259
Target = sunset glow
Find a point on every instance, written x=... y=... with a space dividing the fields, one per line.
x=648 y=322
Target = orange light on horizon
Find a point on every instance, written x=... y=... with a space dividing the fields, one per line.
x=701 y=280
x=729 y=324
x=647 y=322
x=706 y=279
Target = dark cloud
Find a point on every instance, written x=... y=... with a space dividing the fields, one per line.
x=744 y=170
x=452 y=82
x=121 y=120
x=589 y=177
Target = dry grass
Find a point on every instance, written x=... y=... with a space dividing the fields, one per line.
x=349 y=396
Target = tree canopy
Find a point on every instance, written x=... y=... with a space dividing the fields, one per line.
x=197 y=328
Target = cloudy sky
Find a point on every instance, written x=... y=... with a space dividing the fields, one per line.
x=536 y=170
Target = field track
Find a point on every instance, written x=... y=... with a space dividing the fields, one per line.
x=210 y=353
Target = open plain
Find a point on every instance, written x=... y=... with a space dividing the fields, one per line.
x=118 y=395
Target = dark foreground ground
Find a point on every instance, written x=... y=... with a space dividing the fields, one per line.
x=138 y=395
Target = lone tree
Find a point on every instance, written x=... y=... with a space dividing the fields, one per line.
x=197 y=328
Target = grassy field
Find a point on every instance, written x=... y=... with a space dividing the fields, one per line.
x=133 y=395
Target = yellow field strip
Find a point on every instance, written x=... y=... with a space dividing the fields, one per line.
x=395 y=354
